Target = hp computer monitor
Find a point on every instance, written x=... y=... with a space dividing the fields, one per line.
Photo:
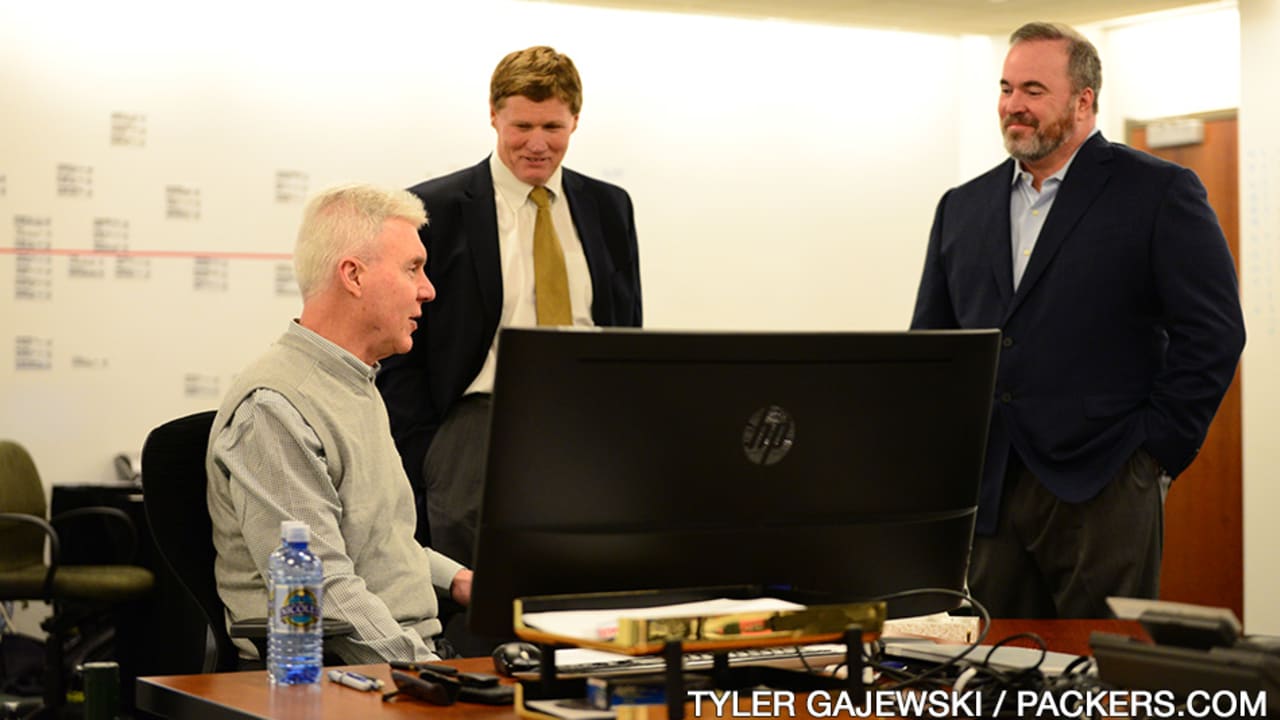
x=830 y=467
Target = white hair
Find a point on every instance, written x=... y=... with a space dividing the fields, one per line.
x=344 y=221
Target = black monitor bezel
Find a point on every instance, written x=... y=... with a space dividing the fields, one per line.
x=519 y=555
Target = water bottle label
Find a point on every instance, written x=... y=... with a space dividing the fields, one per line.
x=298 y=611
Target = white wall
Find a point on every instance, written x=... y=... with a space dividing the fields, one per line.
x=1260 y=266
x=777 y=170
x=1173 y=64
x=784 y=175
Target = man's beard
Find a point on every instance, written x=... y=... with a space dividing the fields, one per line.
x=1037 y=144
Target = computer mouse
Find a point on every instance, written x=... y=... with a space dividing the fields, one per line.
x=513 y=657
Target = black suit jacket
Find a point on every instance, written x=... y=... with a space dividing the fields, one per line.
x=457 y=328
x=1123 y=334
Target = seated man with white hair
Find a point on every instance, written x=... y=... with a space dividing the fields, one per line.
x=303 y=435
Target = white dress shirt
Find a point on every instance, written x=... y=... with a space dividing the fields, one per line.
x=516 y=217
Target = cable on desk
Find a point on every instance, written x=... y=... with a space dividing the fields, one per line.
x=978 y=674
x=906 y=680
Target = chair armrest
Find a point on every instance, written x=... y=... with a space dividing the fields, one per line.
x=249 y=628
x=255 y=631
x=252 y=628
x=55 y=548
x=102 y=510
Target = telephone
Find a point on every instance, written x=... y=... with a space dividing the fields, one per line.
x=128 y=468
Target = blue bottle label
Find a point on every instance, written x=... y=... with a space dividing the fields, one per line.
x=298 y=609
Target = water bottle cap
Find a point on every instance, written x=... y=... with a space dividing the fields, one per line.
x=294 y=531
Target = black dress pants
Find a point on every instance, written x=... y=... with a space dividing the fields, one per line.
x=1053 y=559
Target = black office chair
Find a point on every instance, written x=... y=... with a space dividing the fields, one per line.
x=75 y=592
x=173 y=490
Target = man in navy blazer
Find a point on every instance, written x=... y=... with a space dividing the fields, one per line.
x=479 y=239
x=1109 y=276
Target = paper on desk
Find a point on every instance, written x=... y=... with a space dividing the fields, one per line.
x=599 y=625
x=939 y=626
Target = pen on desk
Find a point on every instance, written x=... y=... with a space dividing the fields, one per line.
x=355 y=680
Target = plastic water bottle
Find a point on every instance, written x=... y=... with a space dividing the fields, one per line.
x=295 y=639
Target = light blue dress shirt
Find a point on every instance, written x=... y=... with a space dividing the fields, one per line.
x=1028 y=209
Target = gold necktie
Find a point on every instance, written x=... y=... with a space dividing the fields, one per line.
x=550 y=279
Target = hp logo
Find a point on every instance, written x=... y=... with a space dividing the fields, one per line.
x=768 y=436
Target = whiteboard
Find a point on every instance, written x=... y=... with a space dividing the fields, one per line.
x=154 y=161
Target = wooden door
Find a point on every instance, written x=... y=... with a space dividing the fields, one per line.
x=1204 y=545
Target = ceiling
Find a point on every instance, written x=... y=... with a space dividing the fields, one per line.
x=983 y=17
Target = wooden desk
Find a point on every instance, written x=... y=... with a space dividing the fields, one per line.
x=244 y=695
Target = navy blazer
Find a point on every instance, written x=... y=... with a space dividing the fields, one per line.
x=463 y=262
x=1123 y=334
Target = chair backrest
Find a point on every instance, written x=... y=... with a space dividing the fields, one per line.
x=21 y=545
x=173 y=490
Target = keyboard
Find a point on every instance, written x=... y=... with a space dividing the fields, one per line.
x=580 y=662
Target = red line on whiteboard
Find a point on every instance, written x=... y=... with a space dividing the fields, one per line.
x=148 y=253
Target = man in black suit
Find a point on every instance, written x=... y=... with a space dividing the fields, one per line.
x=1111 y=280
x=486 y=261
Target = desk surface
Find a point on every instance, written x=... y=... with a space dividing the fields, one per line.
x=240 y=695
